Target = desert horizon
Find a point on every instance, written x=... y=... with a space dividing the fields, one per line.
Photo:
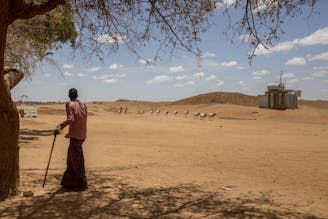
x=221 y=93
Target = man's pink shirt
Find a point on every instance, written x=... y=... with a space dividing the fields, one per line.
x=76 y=119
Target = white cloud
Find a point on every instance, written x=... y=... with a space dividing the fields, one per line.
x=68 y=66
x=219 y=83
x=261 y=72
x=260 y=6
x=109 y=39
x=100 y=77
x=257 y=78
x=284 y=46
x=68 y=74
x=242 y=83
x=229 y=64
x=94 y=69
x=108 y=77
x=196 y=76
x=244 y=37
x=111 y=81
x=123 y=75
x=181 y=77
x=199 y=75
x=80 y=75
x=319 y=74
x=319 y=37
x=307 y=78
x=210 y=78
x=142 y=61
x=296 y=61
x=146 y=61
x=187 y=83
x=321 y=68
x=178 y=68
x=320 y=57
x=208 y=55
x=115 y=66
x=158 y=79
x=224 y=3
x=288 y=75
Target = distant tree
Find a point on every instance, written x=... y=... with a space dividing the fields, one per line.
x=99 y=26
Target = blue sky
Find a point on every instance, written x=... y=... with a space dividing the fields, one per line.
x=301 y=53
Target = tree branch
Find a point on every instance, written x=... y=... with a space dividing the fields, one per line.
x=170 y=27
x=252 y=29
x=20 y=10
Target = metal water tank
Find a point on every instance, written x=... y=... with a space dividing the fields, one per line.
x=276 y=87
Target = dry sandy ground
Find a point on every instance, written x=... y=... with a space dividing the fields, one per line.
x=247 y=162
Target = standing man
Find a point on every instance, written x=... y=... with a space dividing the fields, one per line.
x=74 y=176
x=120 y=110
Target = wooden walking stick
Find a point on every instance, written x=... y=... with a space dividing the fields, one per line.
x=52 y=148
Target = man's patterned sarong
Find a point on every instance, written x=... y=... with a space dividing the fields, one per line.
x=74 y=175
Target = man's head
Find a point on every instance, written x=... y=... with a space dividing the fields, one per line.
x=72 y=93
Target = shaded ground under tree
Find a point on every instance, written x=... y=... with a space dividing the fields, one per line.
x=109 y=196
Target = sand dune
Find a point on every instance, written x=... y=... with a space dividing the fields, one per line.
x=220 y=98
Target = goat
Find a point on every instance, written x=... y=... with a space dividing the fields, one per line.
x=211 y=115
x=186 y=113
x=202 y=115
x=196 y=114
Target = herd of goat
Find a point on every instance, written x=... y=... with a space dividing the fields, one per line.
x=186 y=113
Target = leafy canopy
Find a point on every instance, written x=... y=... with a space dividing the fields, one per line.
x=30 y=41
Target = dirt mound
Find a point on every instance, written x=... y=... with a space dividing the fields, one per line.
x=220 y=98
x=122 y=100
x=321 y=104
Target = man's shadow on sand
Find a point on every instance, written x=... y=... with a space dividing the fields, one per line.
x=109 y=196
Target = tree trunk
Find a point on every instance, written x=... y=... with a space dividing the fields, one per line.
x=9 y=121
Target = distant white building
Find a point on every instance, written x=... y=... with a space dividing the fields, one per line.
x=30 y=111
x=27 y=110
x=276 y=97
